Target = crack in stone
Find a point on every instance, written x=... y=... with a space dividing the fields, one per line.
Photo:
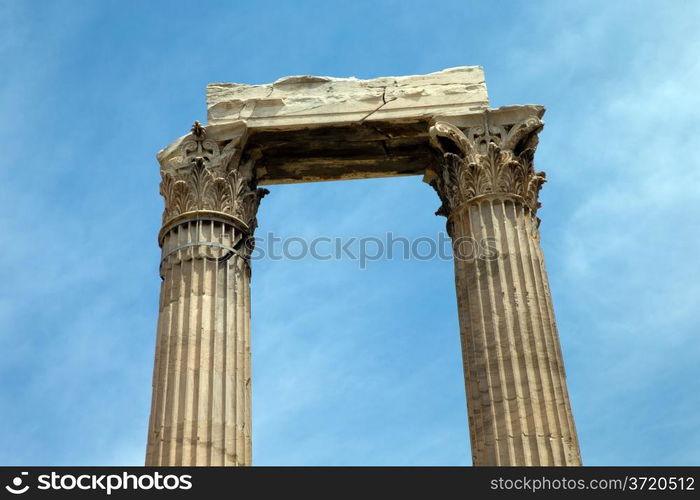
x=384 y=103
x=385 y=148
x=381 y=132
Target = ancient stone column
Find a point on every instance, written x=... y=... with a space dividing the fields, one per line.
x=518 y=404
x=201 y=404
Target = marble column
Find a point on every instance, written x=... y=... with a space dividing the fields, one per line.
x=517 y=399
x=201 y=404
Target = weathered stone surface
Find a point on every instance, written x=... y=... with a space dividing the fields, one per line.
x=201 y=404
x=206 y=175
x=518 y=403
x=299 y=101
x=306 y=129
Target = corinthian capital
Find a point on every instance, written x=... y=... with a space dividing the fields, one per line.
x=210 y=176
x=484 y=162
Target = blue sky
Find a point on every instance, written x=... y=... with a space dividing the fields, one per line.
x=350 y=366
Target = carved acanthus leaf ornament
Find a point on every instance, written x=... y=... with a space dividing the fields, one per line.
x=486 y=162
x=208 y=177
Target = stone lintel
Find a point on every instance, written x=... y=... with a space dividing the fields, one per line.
x=326 y=129
x=300 y=101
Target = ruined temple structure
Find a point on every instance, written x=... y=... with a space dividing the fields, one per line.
x=306 y=129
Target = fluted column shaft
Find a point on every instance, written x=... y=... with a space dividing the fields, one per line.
x=518 y=404
x=517 y=399
x=201 y=405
